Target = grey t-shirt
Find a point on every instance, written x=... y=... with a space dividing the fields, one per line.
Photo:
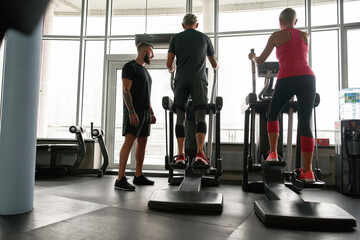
x=191 y=48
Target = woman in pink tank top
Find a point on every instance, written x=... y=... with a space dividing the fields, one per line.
x=295 y=77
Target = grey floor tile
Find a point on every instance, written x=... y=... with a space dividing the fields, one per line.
x=90 y=208
x=114 y=223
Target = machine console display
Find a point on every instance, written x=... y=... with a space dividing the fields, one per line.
x=263 y=69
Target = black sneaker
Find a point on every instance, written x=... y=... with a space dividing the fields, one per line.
x=142 y=180
x=123 y=185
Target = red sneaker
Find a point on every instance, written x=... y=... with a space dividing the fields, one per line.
x=180 y=159
x=307 y=177
x=201 y=159
x=273 y=157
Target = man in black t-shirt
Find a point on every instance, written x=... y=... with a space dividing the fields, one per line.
x=191 y=49
x=137 y=115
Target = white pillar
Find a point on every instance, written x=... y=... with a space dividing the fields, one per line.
x=19 y=120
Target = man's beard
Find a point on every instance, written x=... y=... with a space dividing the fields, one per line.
x=147 y=59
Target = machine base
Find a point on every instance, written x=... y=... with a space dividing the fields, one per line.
x=303 y=215
x=190 y=200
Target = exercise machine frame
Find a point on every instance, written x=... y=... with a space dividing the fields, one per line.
x=188 y=196
x=79 y=149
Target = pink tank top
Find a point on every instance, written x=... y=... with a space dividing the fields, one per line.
x=292 y=56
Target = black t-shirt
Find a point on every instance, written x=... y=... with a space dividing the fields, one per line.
x=141 y=86
x=191 y=48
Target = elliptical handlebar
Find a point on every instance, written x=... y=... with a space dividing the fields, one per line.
x=172 y=81
x=211 y=115
x=76 y=129
x=212 y=99
x=253 y=73
x=268 y=70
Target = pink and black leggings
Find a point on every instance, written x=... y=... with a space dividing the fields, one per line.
x=305 y=90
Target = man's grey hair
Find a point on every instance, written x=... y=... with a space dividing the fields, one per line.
x=189 y=19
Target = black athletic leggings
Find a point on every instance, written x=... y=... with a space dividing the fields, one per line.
x=304 y=88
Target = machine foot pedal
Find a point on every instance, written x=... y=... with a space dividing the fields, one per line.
x=175 y=165
x=301 y=184
x=200 y=168
x=276 y=165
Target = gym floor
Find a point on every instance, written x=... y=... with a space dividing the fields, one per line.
x=90 y=208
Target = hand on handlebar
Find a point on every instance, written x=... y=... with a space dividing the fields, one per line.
x=252 y=56
x=172 y=69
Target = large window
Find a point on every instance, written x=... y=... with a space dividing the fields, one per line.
x=128 y=17
x=249 y=15
x=353 y=51
x=95 y=23
x=165 y=16
x=142 y=16
x=122 y=47
x=324 y=43
x=319 y=7
x=235 y=81
x=351 y=11
x=93 y=83
x=58 y=88
x=63 y=18
x=74 y=46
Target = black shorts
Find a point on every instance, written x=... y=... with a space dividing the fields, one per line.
x=197 y=88
x=142 y=130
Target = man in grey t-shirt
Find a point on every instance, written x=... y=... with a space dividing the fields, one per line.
x=191 y=48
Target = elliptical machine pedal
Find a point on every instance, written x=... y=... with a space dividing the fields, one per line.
x=176 y=165
x=200 y=168
x=275 y=165
x=294 y=178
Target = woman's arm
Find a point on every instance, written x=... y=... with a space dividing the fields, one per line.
x=266 y=52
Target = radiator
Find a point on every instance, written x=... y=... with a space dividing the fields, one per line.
x=231 y=160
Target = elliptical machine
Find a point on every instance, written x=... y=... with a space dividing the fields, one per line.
x=189 y=196
x=284 y=207
x=256 y=150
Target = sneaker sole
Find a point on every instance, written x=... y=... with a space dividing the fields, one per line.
x=307 y=180
x=180 y=162
x=272 y=160
x=143 y=184
x=199 y=160
x=125 y=189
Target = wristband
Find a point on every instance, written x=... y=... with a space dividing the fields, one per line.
x=131 y=111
